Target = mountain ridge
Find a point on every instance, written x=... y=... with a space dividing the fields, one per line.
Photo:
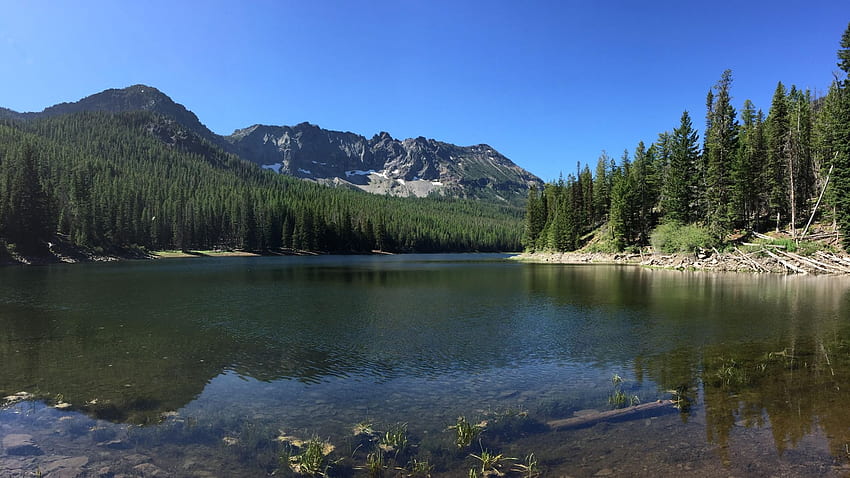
x=384 y=165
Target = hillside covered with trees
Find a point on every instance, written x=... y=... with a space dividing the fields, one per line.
x=754 y=171
x=111 y=181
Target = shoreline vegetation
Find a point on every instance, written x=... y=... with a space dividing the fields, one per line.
x=746 y=260
x=64 y=252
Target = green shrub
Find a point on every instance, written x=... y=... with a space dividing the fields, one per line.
x=677 y=237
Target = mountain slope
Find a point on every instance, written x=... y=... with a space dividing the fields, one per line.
x=382 y=164
x=115 y=180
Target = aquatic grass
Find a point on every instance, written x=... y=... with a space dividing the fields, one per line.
x=395 y=439
x=491 y=463
x=311 y=461
x=375 y=464
x=363 y=428
x=681 y=398
x=420 y=468
x=618 y=398
x=529 y=468
x=465 y=432
x=730 y=373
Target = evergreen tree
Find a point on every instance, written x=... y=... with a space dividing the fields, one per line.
x=27 y=219
x=748 y=172
x=777 y=142
x=535 y=219
x=840 y=142
x=681 y=182
x=720 y=147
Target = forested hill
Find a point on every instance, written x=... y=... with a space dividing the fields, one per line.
x=384 y=165
x=758 y=170
x=115 y=180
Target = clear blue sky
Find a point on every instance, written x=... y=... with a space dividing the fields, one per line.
x=547 y=83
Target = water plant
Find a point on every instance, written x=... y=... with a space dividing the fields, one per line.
x=395 y=439
x=466 y=432
x=529 y=468
x=681 y=398
x=618 y=398
x=375 y=464
x=730 y=372
x=363 y=428
x=420 y=468
x=312 y=460
x=491 y=463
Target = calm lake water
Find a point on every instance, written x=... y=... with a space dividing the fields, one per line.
x=218 y=367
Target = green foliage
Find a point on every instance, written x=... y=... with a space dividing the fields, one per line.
x=395 y=439
x=491 y=463
x=311 y=461
x=762 y=170
x=529 y=468
x=114 y=180
x=375 y=464
x=619 y=398
x=465 y=432
x=676 y=237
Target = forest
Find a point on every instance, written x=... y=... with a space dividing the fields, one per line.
x=752 y=172
x=107 y=182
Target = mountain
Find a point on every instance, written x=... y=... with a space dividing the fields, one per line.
x=384 y=165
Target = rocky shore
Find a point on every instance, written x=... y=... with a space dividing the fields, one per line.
x=763 y=260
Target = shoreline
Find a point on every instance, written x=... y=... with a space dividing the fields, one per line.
x=754 y=262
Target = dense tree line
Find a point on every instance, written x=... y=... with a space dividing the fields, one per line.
x=753 y=171
x=137 y=179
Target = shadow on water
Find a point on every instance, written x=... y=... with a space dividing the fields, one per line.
x=219 y=359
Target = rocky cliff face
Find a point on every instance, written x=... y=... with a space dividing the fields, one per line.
x=382 y=164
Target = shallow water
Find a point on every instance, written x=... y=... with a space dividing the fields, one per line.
x=196 y=367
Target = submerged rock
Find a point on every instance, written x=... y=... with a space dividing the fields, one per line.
x=65 y=467
x=20 y=444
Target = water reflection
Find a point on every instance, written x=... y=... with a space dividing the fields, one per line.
x=332 y=338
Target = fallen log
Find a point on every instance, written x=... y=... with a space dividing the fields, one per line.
x=785 y=263
x=753 y=244
x=591 y=418
x=839 y=259
x=753 y=264
x=802 y=260
x=829 y=267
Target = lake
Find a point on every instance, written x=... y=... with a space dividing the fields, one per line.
x=233 y=366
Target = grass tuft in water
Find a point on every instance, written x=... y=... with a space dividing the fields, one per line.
x=491 y=463
x=465 y=432
x=529 y=468
x=421 y=468
x=375 y=465
x=618 y=398
x=395 y=439
x=312 y=460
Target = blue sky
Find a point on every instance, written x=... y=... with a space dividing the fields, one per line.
x=547 y=83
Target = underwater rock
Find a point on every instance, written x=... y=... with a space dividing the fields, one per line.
x=20 y=444
x=65 y=467
x=150 y=470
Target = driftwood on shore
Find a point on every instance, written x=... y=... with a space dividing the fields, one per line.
x=595 y=417
x=759 y=258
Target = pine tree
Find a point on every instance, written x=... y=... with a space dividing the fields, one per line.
x=748 y=172
x=27 y=219
x=720 y=146
x=840 y=143
x=681 y=181
x=777 y=162
x=535 y=219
